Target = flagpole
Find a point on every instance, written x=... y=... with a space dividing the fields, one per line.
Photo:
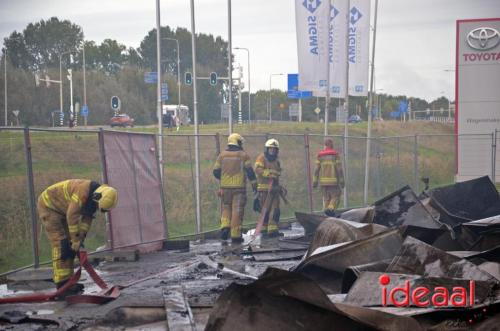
x=370 y=106
x=346 y=109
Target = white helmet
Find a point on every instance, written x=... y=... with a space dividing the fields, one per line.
x=272 y=143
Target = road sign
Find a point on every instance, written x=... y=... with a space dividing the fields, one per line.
x=317 y=110
x=164 y=92
x=85 y=111
x=293 y=110
x=293 y=88
x=150 y=77
x=15 y=112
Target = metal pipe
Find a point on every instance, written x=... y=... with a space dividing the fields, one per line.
x=60 y=84
x=84 y=84
x=308 y=172
x=5 y=85
x=196 y=131
x=178 y=73
x=104 y=178
x=230 y=66
x=346 y=111
x=370 y=106
x=31 y=195
x=158 y=87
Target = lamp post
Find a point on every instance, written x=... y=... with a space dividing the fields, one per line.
x=5 y=83
x=379 y=103
x=248 y=69
x=271 y=96
x=178 y=73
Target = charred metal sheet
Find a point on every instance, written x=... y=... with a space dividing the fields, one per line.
x=419 y=258
x=368 y=282
x=489 y=224
x=492 y=255
x=427 y=235
x=309 y=222
x=335 y=230
x=403 y=207
x=466 y=201
x=282 y=300
x=352 y=273
x=491 y=268
x=378 y=247
x=361 y=215
x=177 y=310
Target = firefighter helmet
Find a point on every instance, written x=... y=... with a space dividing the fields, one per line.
x=235 y=139
x=106 y=197
x=272 y=143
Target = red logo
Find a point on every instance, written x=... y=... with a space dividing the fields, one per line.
x=423 y=297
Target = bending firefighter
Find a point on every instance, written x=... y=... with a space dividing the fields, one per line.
x=268 y=170
x=232 y=168
x=330 y=176
x=66 y=210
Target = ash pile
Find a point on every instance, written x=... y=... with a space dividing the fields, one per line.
x=408 y=262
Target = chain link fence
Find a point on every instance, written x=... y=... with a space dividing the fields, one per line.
x=55 y=155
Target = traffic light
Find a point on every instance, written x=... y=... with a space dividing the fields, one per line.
x=188 y=78
x=213 y=78
x=115 y=103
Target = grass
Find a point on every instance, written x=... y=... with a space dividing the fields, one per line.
x=59 y=155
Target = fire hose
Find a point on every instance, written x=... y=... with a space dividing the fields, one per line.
x=106 y=294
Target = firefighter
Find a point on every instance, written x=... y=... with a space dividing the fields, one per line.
x=232 y=168
x=66 y=210
x=330 y=177
x=268 y=170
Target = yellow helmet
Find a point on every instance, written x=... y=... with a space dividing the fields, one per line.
x=235 y=139
x=272 y=143
x=106 y=197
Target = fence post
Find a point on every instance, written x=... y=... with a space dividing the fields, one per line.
x=104 y=178
x=217 y=144
x=346 y=173
x=493 y=155
x=415 y=162
x=399 y=161
x=31 y=196
x=379 y=191
x=308 y=171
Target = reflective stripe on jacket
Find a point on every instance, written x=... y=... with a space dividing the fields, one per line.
x=234 y=166
x=263 y=169
x=327 y=167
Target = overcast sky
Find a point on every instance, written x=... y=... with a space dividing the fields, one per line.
x=415 y=38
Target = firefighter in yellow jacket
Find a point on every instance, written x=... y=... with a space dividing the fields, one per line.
x=232 y=168
x=329 y=175
x=66 y=210
x=268 y=170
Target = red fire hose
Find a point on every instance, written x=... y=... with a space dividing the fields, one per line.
x=107 y=293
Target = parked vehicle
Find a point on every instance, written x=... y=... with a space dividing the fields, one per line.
x=122 y=120
x=180 y=114
x=355 y=119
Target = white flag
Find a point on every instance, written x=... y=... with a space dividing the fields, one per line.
x=359 y=44
x=337 y=42
x=312 y=24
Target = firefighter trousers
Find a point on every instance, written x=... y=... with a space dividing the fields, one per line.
x=233 y=210
x=57 y=232
x=331 y=196
x=270 y=203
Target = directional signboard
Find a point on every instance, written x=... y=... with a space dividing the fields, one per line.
x=293 y=88
x=150 y=77
x=164 y=92
x=85 y=111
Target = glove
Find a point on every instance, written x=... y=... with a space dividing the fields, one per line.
x=66 y=252
x=254 y=188
x=315 y=184
x=75 y=246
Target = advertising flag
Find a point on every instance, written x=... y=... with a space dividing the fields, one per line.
x=312 y=24
x=358 y=47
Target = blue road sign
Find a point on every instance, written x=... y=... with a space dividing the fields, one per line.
x=293 y=88
x=403 y=106
x=85 y=111
x=150 y=77
x=164 y=92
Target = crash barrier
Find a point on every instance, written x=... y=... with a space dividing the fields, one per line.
x=54 y=155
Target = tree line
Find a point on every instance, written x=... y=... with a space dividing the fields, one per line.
x=112 y=68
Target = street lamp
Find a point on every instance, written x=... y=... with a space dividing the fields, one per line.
x=248 y=57
x=178 y=72
x=271 y=96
